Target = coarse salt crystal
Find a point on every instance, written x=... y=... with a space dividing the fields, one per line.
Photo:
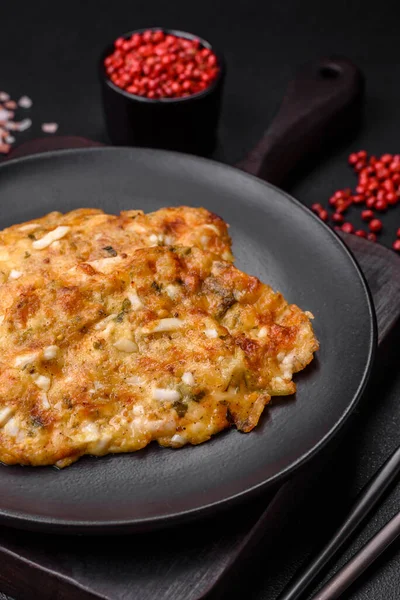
x=25 y=102
x=23 y=125
x=9 y=139
x=49 y=127
x=4 y=114
x=4 y=97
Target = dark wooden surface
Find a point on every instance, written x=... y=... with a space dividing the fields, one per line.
x=181 y=564
x=322 y=104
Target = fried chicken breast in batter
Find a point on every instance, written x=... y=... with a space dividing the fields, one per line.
x=87 y=235
x=170 y=343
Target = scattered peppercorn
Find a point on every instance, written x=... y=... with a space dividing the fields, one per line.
x=316 y=207
x=157 y=65
x=378 y=188
x=381 y=205
x=396 y=245
x=320 y=211
x=347 y=228
x=367 y=215
x=375 y=225
x=126 y=305
x=338 y=218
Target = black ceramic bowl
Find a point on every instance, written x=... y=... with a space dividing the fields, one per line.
x=186 y=124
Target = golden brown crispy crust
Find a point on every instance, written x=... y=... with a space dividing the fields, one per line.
x=172 y=344
x=88 y=235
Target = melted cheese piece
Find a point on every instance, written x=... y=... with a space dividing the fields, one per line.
x=57 y=234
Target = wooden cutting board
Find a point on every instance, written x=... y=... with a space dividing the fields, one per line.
x=179 y=564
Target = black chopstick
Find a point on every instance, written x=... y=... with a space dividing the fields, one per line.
x=361 y=561
x=368 y=498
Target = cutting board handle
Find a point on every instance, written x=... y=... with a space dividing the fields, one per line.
x=322 y=104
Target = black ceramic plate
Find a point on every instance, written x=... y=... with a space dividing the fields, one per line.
x=274 y=238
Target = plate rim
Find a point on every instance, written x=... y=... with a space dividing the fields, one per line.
x=112 y=526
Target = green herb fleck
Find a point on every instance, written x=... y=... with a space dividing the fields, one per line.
x=25 y=334
x=199 y=396
x=229 y=417
x=67 y=402
x=180 y=407
x=126 y=305
x=120 y=317
x=97 y=345
x=110 y=250
x=156 y=286
x=36 y=422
